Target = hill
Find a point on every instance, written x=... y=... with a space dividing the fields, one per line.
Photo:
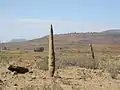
x=71 y=40
x=112 y=31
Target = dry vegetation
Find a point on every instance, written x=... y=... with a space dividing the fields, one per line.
x=75 y=69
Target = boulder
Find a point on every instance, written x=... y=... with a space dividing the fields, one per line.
x=18 y=69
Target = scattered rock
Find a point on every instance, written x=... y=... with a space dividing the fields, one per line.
x=18 y=69
x=30 y=71
x=1 y=82
x=33 y=77
x=15 y=85
x=14 y=73
x=100 y=85
x=57 y=76
x=4 y=80
x=7 y=72
x=44 y=78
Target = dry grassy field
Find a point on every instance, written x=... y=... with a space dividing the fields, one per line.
x=75 y=69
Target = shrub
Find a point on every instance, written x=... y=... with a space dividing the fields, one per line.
x=88 y=63
x=113 y=70
x=18 y=48
x=5 y=48
x=39 y=49
x=42 y=64
x=111 y=64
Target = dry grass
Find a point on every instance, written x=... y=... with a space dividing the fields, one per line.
x=105 y=60
x=66 y=58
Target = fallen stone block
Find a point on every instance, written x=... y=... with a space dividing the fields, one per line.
x=18 y=69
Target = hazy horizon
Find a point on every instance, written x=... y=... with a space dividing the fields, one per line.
x=31 y=19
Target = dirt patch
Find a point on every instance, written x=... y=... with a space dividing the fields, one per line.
x=71 y=78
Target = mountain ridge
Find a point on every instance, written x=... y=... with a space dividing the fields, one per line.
x=71 y=39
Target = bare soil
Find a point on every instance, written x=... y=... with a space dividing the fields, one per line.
x=70 y=78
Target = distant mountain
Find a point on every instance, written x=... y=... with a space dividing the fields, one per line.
x=18 y=40
x=112 y=31
x=70 y=39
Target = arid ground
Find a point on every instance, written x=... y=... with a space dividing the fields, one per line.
x=75 y=68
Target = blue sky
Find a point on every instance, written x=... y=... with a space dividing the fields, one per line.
x=31 y=18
